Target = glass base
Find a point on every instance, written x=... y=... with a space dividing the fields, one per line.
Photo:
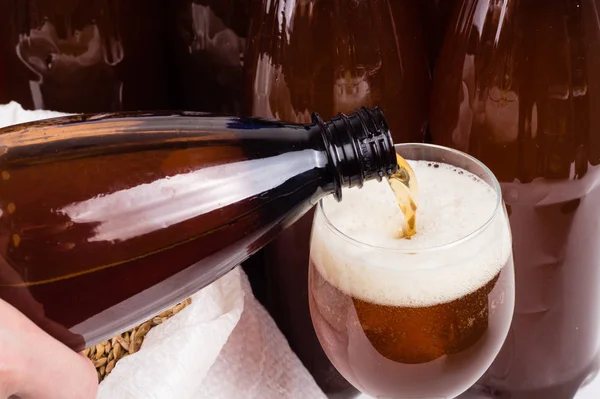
x=590 y=389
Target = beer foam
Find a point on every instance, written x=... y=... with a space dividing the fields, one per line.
x=453 y=205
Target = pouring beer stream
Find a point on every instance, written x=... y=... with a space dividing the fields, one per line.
x=405 y=187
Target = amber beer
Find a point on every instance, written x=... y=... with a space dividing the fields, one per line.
x=427 y=314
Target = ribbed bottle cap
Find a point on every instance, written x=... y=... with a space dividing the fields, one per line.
x=360 y=145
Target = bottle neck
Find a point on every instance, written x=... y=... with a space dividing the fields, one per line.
x=359 y=148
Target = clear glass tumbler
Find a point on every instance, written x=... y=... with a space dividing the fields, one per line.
x=426 y=317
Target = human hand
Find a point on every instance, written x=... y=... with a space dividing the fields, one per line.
x=33 y=365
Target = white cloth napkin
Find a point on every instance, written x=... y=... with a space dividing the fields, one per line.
x=223 y=346
x=12 y=113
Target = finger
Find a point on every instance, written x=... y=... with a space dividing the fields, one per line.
x=44 y=367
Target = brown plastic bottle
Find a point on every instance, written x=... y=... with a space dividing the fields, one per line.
x=331 y=56
x=108 y=219
x=207 y=44
x=84 y=55
x=518 y=86
x=435 y=17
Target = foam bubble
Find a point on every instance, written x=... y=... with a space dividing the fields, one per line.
x=453 y=204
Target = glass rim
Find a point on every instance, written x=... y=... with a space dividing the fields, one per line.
x=495 y=184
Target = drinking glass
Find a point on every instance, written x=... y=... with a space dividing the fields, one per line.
x=420 y=321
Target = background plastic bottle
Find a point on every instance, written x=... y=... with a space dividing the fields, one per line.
x=207 y=40
x=84 y=56
x=518 y=86
x=330 y=56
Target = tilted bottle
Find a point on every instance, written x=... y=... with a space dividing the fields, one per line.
x=518 y=86
x=108 y=219
x=328 y=56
